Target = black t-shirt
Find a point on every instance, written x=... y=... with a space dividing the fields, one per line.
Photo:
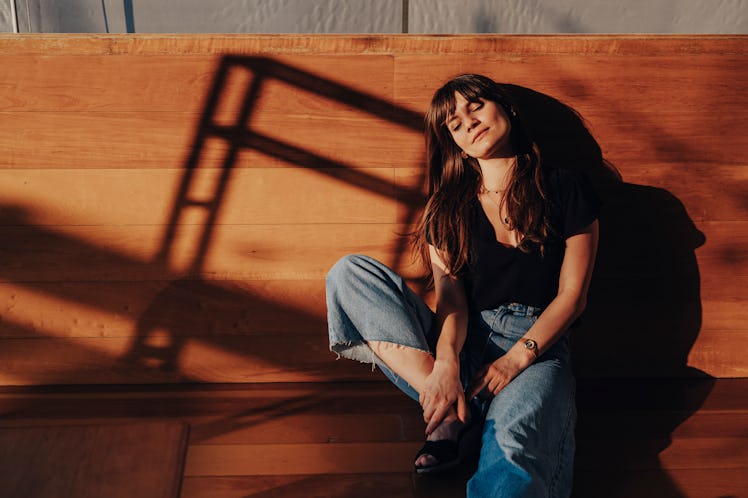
x=498 y=274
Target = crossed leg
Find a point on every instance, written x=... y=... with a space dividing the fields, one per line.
x=374 y=317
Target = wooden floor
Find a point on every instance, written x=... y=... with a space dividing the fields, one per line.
x=141 y=459
x=635 y=438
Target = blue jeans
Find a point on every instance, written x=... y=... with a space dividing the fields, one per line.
x=528 y=434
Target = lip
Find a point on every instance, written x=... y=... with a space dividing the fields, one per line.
x=479 y=134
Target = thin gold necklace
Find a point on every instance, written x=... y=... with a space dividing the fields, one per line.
x=485 y=191
x=499 y=193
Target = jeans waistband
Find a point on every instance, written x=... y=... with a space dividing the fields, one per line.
x=519 y=309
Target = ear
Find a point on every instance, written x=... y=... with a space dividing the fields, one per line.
x=464 y=154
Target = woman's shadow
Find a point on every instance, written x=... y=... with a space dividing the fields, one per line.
x=643 y=314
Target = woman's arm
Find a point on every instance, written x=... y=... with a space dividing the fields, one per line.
x=442 y=388
x=574 y=281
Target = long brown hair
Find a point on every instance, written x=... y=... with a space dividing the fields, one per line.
x=454 y=181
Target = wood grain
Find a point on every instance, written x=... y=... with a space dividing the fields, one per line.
x=236 y=252
x=328 y=161
x=164 y=83
x=110 y=309
x=255 y=196
x=180 y=44
x=696 y=483
x=394 y=485
x=99 y=207
x=262 y=251
x=250 y=459
x=155 y=355
x=697 y=427
x=125 y=460
x=128 y=139
x=614 y=484
x=275 y=459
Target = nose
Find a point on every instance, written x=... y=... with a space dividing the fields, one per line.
x=473 y=123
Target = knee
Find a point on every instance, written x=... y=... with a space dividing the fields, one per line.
x=346 y=270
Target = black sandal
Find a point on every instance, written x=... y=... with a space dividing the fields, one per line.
x=448 y=453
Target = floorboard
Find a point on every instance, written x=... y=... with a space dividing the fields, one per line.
x=643 y=438
x=116 y=460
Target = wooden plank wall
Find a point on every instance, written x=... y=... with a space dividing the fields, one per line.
x=169 y=205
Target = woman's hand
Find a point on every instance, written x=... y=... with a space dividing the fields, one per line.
x=441 y=391
x=494 y=376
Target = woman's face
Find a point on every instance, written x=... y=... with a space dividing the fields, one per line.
x=480 y=128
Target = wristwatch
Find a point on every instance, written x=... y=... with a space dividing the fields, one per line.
x=531 y=345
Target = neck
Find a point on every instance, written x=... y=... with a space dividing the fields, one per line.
x=496 y=172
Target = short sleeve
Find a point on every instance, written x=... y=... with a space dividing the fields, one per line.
x=579 y=204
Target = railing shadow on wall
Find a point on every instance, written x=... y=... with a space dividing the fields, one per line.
x=189 y=295
x=191 y=308
x=644 y=303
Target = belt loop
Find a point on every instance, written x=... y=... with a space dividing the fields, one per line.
x=518 y=309
x=501 y=312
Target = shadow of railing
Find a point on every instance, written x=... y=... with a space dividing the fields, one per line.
x=239 y=136
x=192 y=308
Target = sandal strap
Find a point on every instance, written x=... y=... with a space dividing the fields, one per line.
x=444 y=450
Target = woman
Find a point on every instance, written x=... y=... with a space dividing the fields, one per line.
x=511 y=245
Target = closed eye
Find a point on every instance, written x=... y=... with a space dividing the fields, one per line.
x=453 y=124
x=474 y=106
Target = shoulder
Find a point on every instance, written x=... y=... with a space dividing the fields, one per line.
x=561 y=183
x=563 y=179
x=574 y=203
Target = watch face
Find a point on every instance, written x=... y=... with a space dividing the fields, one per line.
x=531 y=345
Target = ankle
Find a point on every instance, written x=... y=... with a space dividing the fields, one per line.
x=449 y=428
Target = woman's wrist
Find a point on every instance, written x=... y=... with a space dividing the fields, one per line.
x=447 y=361
x=447 y=355
x=521 y=355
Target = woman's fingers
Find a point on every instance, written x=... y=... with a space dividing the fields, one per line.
x=437 y=398
x=497 y=380
x=492 y=379
x=437 y=418
x=432 y=408
x=435 y=410
x=428 y=410
x=495 y=385
x=462 y=411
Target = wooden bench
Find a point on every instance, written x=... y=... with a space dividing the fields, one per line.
x=171 y=204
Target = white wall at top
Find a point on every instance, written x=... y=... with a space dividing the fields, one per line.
x=378 y=16
x=578 y=16
x=210 y=16
x=6 y=19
